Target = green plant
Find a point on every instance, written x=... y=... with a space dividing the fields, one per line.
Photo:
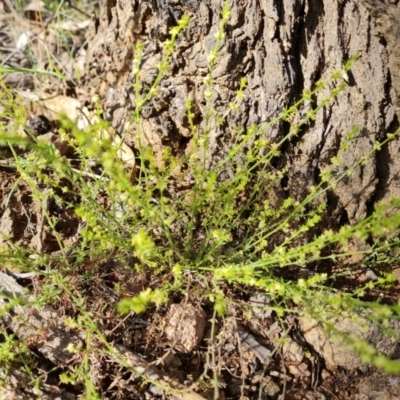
x=217 y=234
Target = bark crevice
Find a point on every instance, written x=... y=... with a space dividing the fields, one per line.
x=282 y=48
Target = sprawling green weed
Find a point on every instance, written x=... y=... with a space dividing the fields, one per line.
x=199 y=227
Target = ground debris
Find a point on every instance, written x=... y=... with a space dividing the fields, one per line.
x=261 y=352
x=185 y=326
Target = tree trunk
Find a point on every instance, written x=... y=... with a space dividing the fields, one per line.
x=283 y=47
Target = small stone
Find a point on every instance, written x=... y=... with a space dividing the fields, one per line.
x=185 y=326
x=292 y=352
x=325 y=374
x=156 y=390
x=299 y=370
x=258 y=302
x=270 y=388
x=336 y=352
x=6 y=225
x=229 y=347
x=371 y=275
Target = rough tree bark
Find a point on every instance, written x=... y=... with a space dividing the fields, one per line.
x=282 y=47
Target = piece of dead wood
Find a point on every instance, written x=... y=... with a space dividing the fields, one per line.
x=26 y=322
x=144 y=368
x=261 y=352
x=18 y=386
x=42 y=328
